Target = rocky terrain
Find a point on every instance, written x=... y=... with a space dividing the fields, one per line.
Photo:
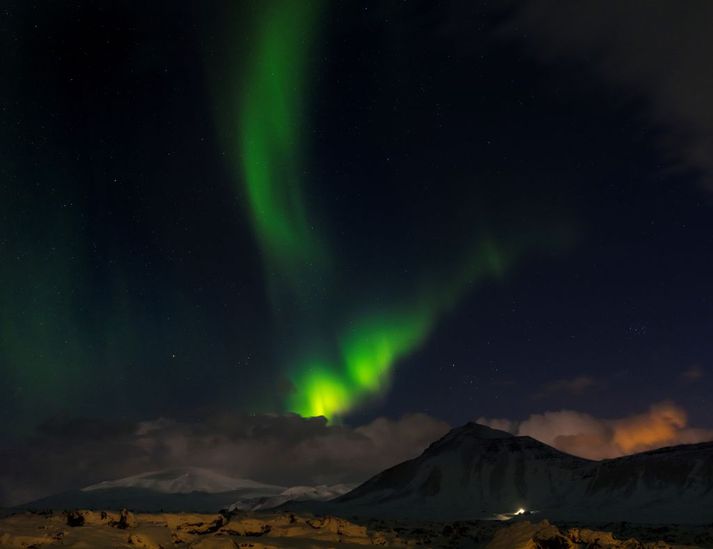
x=97 y=529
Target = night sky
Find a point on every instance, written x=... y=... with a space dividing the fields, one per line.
x=354 y=209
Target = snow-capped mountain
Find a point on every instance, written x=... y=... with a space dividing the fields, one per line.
x=184 y=481
x=171 y=490
x=478 y=472
x=673 y=484
x=474 y=471
x=187 y=489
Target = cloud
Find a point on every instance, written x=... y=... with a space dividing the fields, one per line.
x=658 y=51
x=284 y=449
x=693 y=374
x=663 y=424
x=574 y=387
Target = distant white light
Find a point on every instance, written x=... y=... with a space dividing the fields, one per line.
x=520 y=511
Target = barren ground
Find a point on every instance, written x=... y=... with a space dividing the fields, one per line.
x=95 y=529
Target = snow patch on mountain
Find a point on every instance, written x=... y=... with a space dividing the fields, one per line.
x=293 y=494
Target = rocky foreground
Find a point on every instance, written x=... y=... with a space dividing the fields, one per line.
x=97 y=529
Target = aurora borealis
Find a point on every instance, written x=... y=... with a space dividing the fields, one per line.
x=345 y=210
x=356 y=347
x=270 y=119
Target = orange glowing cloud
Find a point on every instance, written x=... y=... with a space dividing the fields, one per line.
x=663 y=424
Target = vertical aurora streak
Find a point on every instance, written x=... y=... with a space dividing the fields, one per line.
x=271 y=114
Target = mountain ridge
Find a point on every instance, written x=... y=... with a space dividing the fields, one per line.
x=471 y=472
x=478 y=472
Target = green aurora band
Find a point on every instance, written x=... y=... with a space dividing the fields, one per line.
x=371 y=344
x=355 y=353
x=270 y=122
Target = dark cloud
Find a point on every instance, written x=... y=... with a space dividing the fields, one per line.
x=658 y=51
x=693 y=374
x=284 y=449
x=84 y=428
x=572 y=386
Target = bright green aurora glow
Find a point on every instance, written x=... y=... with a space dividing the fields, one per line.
x=345 y=348
x=372 y=344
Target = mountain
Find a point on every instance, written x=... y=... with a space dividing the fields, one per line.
x=290 y=495
x=184 y=481
x=185 y=489
x=473 y=471
x=172 y=490
x=673 y=484
x=478 y=472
